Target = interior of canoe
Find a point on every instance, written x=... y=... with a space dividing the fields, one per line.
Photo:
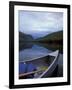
x=34 y=68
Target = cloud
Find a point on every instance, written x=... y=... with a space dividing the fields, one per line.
x=31 y=22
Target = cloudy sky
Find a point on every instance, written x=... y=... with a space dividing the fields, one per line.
x=39 y=24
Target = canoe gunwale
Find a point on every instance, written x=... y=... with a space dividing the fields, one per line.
x=49 y=54
x=51 y=64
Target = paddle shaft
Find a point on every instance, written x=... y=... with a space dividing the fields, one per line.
x=25 y=74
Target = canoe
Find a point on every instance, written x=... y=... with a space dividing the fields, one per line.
x=40 y=67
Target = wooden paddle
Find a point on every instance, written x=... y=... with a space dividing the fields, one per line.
x=25 y=74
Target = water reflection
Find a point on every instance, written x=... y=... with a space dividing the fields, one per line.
x=25 y=45
x=33 y=52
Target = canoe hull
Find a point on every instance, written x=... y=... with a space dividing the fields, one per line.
x=41 y=61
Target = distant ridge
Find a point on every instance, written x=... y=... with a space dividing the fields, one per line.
x=56 y=36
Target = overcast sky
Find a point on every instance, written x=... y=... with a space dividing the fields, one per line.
x=39 y=24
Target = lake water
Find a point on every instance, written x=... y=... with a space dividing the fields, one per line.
x=37 y=51
x=34 y=52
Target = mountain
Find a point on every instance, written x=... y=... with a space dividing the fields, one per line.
x=56 y=36
x=24 y=40
x=24 y=37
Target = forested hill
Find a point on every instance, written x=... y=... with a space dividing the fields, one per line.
x=56 y=36
x=24 y=37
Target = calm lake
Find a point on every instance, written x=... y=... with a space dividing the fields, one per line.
x=36 y=51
